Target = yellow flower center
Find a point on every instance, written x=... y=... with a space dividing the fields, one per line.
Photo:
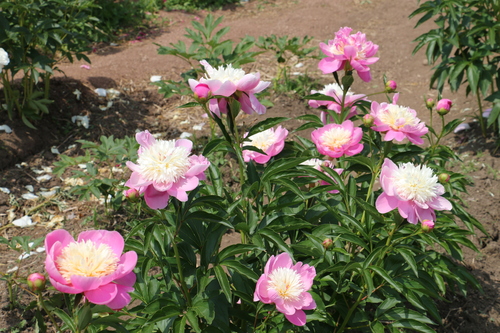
x=287 y=283
x=86 y=259
x=262 y=140
x=398 y=117
x=336 y=137
x=163 y=162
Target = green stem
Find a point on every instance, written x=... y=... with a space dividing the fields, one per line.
x=481 y=119
x=184 y=287
x=41 y=305
x=349 y=313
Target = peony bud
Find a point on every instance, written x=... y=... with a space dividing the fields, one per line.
x=443 y=106
x=132 y=194
x=429 y=103
x=368 y=120
x=202 y=92
x=390 y=86
x=327 y=243
x=427 y=226
x=444 y=178
x=36 y=282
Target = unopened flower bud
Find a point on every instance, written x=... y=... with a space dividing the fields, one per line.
x=390 y=86
x=368 y=120
x=443 y=106
x=202 y=92
x=327 y=243
x=131 y=194
x=427 y=226
x=444 y=178
x=429 y=103
x=36 y=282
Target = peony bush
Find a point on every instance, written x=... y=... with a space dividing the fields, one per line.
x=351 y=228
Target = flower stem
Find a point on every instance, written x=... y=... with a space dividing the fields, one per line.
x=41 y=305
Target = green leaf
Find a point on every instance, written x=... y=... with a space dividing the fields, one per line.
x=383 y=274
x=413 y=325
x=266 y=124
x=240 y=268
x=223 y=282
x=68 y=321
x=235 y=249
x=473 y=77
x=84 y=316
x=275 y=238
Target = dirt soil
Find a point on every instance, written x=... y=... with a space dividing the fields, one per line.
x=128 y=67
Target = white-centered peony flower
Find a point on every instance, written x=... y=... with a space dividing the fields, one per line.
x=86 y=259
x=223 y=74
x=287 y=283
x=416 y=183
x=4 y=58
x=336 y=137
x=163 y=162
x=397 y=116
x=336 y=88
x=262 y=140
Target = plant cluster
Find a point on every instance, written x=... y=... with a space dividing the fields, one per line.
x=353 y=228
x=465 y=47
x=38 y=35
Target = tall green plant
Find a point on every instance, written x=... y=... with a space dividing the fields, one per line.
x=465 y=47
x=37 y=35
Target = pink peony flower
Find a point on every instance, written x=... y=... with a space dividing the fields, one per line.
x=317 y=164
x=270 y=141
x=201 y=91
x=286 y=285
x=335 y=91
x=337 y=140
x=398 y=122
x=443 y=106
x=391 y=86
x=164 y=169
x=36 y=282
x=413 y=190
x=427 y=225
x=348 y=49
x=93 y=265
x=228 y=81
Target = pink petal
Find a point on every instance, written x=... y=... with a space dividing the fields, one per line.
x=226 y=89
x=64 y=288
x=127 y=280
x=440 y=203
x=111 y=238
x=85 y=282
x=60 y=236
x=103 y=295
x=385 y=203
x=365 y=76
x=145 y=139
x=187 y=144
x=330 y=65
x=122 y=298
x=298 y=318
x=256 y=105
x=248 y=82
x=156 y=199
x=261 y=86
x=192 y=84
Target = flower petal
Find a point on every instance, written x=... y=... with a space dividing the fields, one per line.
x=102 y=295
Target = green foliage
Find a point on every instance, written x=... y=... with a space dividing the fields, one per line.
x=102 y=172
x=192 y=5
x=465 y=47
x=37 y=35
x=285 y=49
x=207 y=44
